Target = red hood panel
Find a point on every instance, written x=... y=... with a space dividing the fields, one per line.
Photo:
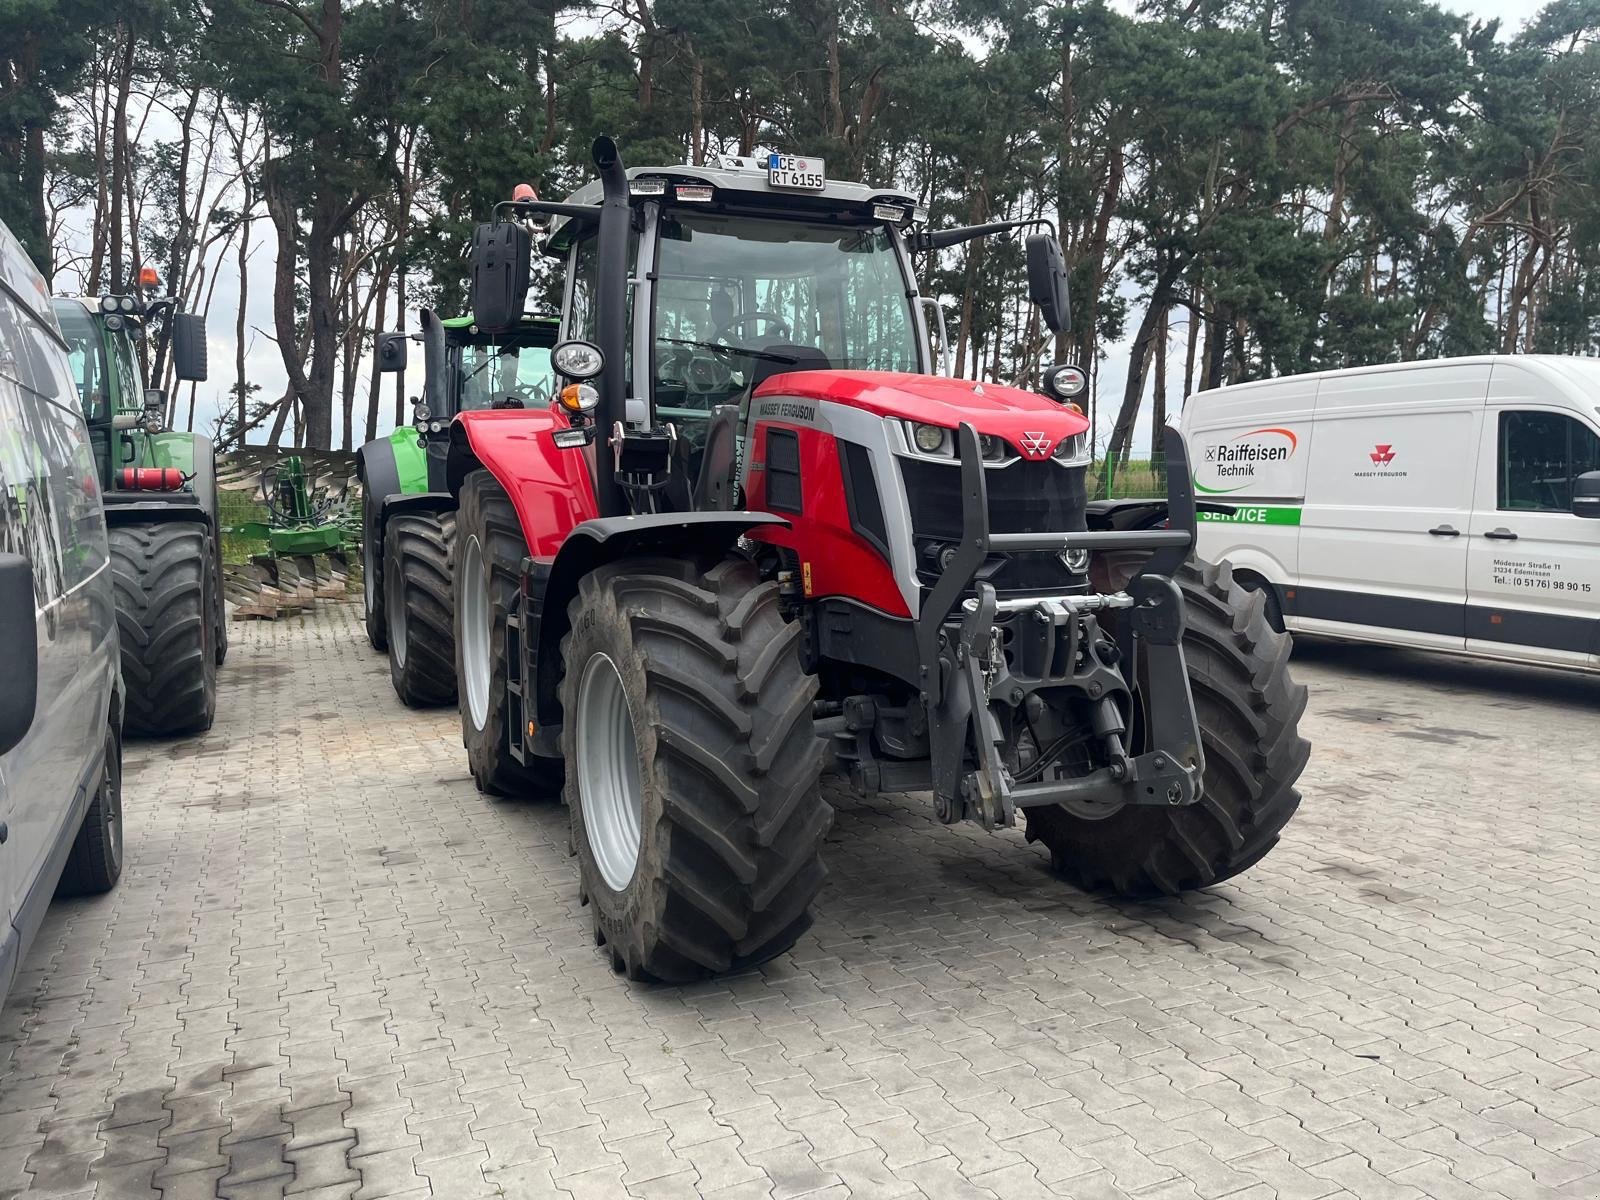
x=1007 y=412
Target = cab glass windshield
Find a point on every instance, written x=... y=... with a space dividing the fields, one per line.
x=86 y=352
x=734 y=292
x=493 y=373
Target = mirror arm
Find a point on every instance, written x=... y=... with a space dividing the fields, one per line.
x=528 y=208
x=940 y=239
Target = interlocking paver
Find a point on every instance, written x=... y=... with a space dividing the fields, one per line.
x=333 y=970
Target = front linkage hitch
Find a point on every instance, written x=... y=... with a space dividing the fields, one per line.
x=1058 y=644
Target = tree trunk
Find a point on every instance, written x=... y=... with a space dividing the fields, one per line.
x=1139 y=356
x=240 y=383
x=1158 y=420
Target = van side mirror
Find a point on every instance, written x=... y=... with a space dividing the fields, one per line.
x=1586 y=495
x=189 y=347
x=1047 y=282
x=391 y=352
x=500 y=262
x=19 y=650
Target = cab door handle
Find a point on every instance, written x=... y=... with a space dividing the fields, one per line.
x=1501 y=534
x=1445 y=531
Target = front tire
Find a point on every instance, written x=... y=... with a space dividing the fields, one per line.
x=693 y=767
x=1249 y=712
x=94 y=864
x=419 y=603
x=488 y=564
x=161 y=573
x=372 y=578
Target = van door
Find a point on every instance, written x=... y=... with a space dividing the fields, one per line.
x=1533 y=568
x=1389 y=495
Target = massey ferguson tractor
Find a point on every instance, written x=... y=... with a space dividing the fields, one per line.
x=754 y=531
x=160 y=492
x=408 y=515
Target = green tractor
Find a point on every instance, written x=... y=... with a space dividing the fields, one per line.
x=160 y=492
x=408 y=514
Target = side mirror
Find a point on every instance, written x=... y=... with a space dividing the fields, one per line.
x=189 y=347
x=391 y=352
x=500 y=260
x=1586 y=495
x=19 y=650
x=1047 y=282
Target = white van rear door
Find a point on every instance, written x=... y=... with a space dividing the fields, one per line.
x=1389 y=498
x=1533 y=568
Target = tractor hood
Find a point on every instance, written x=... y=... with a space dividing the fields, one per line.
x=992 y=408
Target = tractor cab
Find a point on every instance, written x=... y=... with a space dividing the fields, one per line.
x=735 y=281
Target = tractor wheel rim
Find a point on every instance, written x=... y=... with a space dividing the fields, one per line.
x=475 y=632
x=609 y=786
x=397 y=627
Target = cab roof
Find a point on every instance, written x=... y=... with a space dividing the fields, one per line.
x=742 y=183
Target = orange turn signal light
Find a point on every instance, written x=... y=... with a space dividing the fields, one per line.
x=579 y=397
x=148 y=277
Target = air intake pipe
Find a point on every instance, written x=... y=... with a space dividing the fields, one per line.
x=434 y=394
x=612 y=318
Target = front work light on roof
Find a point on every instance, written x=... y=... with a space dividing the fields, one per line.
x=699 y=193
x=888 y=212
x=648 y=187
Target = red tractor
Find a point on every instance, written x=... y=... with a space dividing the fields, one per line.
x=755 y=535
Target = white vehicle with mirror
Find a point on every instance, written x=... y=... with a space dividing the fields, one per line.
x=1445 y=504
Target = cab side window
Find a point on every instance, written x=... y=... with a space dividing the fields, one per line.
x=1541 y=453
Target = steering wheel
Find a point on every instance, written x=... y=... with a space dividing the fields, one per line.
x=755 y=314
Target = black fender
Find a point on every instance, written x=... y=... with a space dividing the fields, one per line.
x=409 y=502
x=380 y=480
x=138 y=508
x=550 y=588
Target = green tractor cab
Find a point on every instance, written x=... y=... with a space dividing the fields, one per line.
x=408 y=514
x=160 y=492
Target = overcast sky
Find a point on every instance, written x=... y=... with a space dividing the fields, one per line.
x=265 y=367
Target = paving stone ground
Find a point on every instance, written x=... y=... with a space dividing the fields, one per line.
x=332 y=969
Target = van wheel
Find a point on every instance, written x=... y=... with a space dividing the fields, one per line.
x=417 y=602
x=161 y=573
x=1249 y=712
x=488 y=564
x=95 y=862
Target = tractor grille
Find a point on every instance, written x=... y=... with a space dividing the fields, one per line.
x=1024 y=497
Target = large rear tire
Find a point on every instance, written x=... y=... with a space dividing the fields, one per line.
x=372 y=577
x=692 y=767
x=94 y=864
x=419 y=603
x=162 y=574
x=1249 y=710
x=488 y=566
x=219 y=636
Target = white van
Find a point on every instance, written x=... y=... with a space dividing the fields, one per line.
x=1438 y=504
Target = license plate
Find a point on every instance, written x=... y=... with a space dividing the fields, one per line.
x=796 y=173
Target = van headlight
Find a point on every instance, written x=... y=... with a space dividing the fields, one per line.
x=1074 y=450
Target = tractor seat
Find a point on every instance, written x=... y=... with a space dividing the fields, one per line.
x=806 y=358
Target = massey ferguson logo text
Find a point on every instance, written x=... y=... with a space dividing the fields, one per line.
x=1382 y=455
x=1036 y=445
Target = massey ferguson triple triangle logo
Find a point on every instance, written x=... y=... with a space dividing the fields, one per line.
x=1036 y=445
x=1383 y=455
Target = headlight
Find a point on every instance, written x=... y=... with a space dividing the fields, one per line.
x=932 y=439
x=993 y=449
x=1074 y=450
x=578 y=359
x=435 y=426
x=1076 y=561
